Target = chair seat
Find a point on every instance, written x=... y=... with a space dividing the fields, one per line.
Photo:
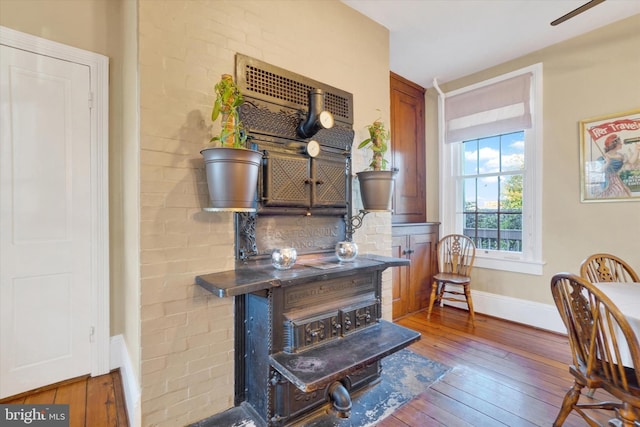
x=456 y=279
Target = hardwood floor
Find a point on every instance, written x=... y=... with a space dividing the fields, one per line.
x=503 y=374
x=93 y=402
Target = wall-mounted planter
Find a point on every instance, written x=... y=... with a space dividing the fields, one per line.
x=232 y=177
x=376 y=189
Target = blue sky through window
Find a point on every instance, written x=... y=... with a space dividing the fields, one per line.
x=485 y=160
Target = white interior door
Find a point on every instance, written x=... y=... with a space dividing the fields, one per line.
x=45 y=221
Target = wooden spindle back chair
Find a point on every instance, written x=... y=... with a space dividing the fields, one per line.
x=607 y=268
x=456 y=254
x=601 y=339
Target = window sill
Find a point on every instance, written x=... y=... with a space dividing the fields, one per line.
x=514 y=265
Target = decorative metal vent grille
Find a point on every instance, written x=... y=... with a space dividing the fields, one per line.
x=267 y=83
x=337 y=105
x=282 y=87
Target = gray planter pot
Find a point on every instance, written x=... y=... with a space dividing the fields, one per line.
x=232 y=177
x=376 y=189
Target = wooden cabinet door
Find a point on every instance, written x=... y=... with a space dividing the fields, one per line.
x=412 y=284
x=423 y=251
x=400 y=279
x=408 y=150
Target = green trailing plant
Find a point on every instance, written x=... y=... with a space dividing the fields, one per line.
x=378 y=143
x=226 y=106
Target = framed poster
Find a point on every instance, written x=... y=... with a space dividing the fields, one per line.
x=610 y=158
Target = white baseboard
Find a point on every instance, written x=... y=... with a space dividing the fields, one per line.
x=120 y=359
x=536 y=314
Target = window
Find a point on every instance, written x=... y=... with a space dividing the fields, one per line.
x=491 y=173
x=491 y=182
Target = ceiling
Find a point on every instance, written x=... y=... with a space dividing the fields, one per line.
x=448 y=39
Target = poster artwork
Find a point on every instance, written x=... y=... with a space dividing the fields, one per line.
x=610 y=157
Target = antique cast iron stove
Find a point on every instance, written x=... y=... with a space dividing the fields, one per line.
x=308 y=337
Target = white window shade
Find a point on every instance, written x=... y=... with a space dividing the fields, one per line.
x=494 y=109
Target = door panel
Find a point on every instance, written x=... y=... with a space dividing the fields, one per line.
x=330 y=187
x=408 y=150
x=45 y=221
x=421 y=270
x=400 y=279
x=286 y=179
x=412 y=284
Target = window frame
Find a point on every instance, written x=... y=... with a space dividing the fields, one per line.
x=529 y=261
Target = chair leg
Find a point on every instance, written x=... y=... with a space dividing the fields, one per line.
x=432 y=298
x=467 y=295
x=441 y=294
x=625 y=416
x=570 y=399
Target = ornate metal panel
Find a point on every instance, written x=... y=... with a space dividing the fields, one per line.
x=286 y=180
x=292 y=183
x=305 y=233
x=359 y=316
x=329 y=178
x=302 y=333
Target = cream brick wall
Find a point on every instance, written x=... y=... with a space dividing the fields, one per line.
x=185 y=45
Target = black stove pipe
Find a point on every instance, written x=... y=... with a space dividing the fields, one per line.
x=340 y=400
x=317 y=117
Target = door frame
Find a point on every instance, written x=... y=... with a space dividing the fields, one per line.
x=99 y=141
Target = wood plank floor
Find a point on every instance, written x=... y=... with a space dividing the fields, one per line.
x=503 y=374
x=93 y=402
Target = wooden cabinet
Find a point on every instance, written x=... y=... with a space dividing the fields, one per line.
x=408 y=150
x=413 y=237
x=412 y=284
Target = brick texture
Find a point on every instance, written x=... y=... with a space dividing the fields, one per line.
x=184 y=46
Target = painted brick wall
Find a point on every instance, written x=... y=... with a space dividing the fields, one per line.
x=185 y=45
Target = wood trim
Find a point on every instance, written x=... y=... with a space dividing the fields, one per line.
x=414 y=228
x=398 y=77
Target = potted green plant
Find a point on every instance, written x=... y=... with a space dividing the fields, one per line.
x=378 y=142
x=376 y=184
x=231 y=168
